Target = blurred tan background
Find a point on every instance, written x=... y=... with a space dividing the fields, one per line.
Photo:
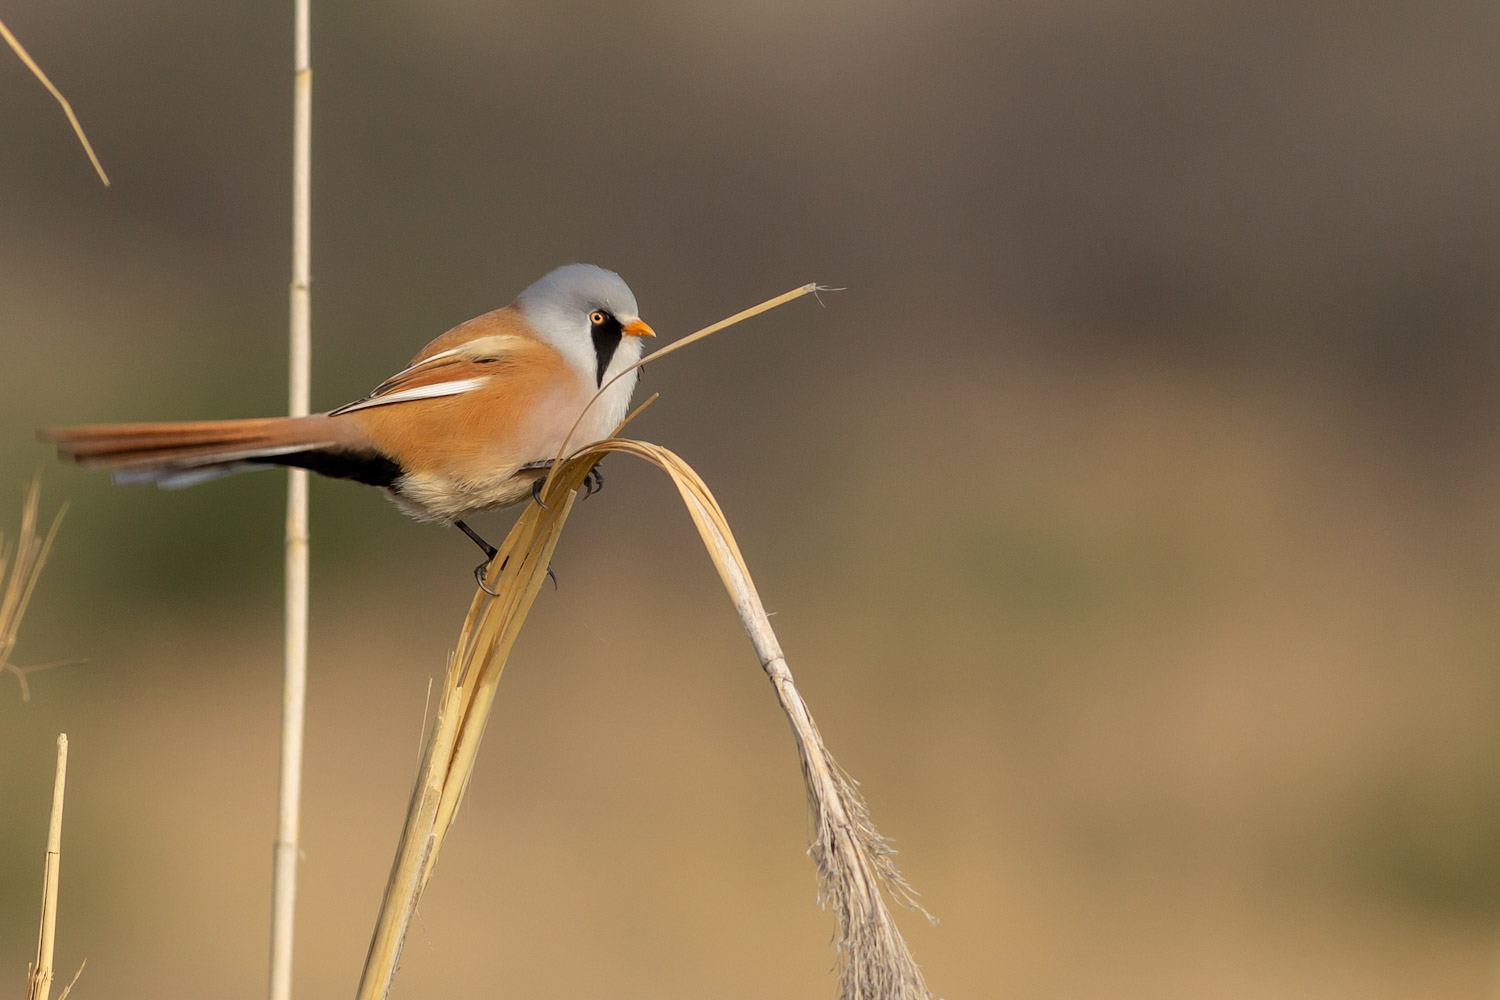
x=1131 y=520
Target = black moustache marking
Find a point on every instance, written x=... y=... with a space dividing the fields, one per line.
x=607 y=336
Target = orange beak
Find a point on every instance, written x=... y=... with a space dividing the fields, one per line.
x=638 y=328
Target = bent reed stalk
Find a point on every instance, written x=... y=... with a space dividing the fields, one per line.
x=854 y=863
x=36 y=71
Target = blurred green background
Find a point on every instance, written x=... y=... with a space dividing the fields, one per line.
x=1131 y=519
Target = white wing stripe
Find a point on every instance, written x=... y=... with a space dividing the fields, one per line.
x=484 y=348
x=424 y=363
x=418 y=392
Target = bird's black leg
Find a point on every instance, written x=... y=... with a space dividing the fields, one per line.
x=490 y=552
x=489 y=549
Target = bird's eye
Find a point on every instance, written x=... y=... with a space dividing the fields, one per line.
x=596 y=318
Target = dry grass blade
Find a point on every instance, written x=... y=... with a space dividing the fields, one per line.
x=677 y=345
x=25 y=57
x=21 y=564
x=72 y=982
x=854 y=861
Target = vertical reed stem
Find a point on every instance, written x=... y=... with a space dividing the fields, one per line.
x=39 y=986
x=294 y=682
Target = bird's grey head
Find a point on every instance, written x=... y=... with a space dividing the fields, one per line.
x=589 y=315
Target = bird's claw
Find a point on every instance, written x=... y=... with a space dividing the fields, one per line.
x=483 y=568
x=593 y=482
x=479 y=573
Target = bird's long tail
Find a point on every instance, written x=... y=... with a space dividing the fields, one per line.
x=183 y=454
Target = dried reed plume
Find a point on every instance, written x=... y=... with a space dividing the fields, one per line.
x=854 y=862
x=21 y=564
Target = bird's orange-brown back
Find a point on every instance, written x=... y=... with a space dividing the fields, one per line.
x=485 y=429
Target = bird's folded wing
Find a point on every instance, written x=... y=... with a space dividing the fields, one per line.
x=449 y=372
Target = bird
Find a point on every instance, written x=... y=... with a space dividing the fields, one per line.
x=471 y=424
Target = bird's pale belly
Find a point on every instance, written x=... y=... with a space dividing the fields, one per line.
x=436 y=497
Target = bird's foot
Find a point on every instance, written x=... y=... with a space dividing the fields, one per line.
x=593 y=482
x=489 y=551
x=480 y=572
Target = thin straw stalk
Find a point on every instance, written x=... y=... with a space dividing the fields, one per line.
x=677 y=345
x=39 y=981
x=294 y=661
x=36 y=71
